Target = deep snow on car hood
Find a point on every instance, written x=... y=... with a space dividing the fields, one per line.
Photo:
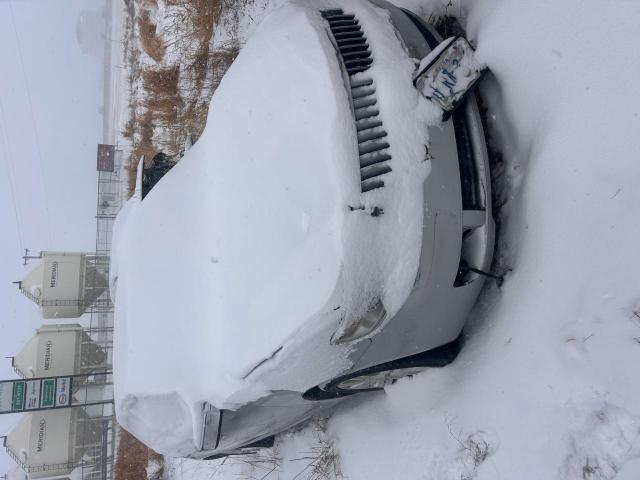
x=245 y=243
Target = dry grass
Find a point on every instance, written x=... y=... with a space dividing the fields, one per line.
x=195 y=117
x=200 y=62
x=322 y=460
x=163 y=109
x=163 y=99
x=324 y=463
x=149 y=39
x=162 y=105
x=129 y=128
x=221 y=59
x=170 y=101
x=162 y=82
x=132 y=457
x=194 y=21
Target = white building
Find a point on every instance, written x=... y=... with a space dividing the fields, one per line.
x=57 y=350
x=66 y=284
x=51 y=443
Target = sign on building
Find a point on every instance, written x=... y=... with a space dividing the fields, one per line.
x=35 y=394
x=106 y=157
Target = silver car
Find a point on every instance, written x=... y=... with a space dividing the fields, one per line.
x=455 y=248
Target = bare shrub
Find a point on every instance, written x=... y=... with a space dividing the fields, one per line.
x=322 y=459
x=193 y=119
x=259 y=464
x=170 y=103
x=222 y=58
x=162 y=82
x=163 y=100
x=164 y=110
x=474 y=450
x=199 y=66
x=129 y=128
x=477 y=447
x=149 y=39
x=325 y=464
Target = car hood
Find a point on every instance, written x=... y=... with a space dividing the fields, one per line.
x=240 y=244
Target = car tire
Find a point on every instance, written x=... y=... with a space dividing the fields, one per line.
x=377 y=377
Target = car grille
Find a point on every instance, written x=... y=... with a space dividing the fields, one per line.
x=353 y=48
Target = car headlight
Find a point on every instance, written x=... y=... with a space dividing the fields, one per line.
x=363 y=325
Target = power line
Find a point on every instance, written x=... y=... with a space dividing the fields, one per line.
x=33 y=118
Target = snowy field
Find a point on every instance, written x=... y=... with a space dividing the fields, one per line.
x=547 y=386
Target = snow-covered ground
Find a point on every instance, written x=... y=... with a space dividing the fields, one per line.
x=547 y=385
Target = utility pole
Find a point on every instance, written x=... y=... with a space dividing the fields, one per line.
x=26 y=257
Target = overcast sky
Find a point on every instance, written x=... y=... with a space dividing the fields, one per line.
x=50 y=93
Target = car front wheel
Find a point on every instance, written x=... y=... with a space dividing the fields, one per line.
x=379 y=376
x=372 y=381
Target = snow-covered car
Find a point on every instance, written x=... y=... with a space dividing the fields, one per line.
x=324 y=236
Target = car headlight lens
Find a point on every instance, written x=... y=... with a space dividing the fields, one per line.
x=363 y=325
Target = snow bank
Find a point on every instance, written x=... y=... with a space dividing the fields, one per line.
x=546 y=386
